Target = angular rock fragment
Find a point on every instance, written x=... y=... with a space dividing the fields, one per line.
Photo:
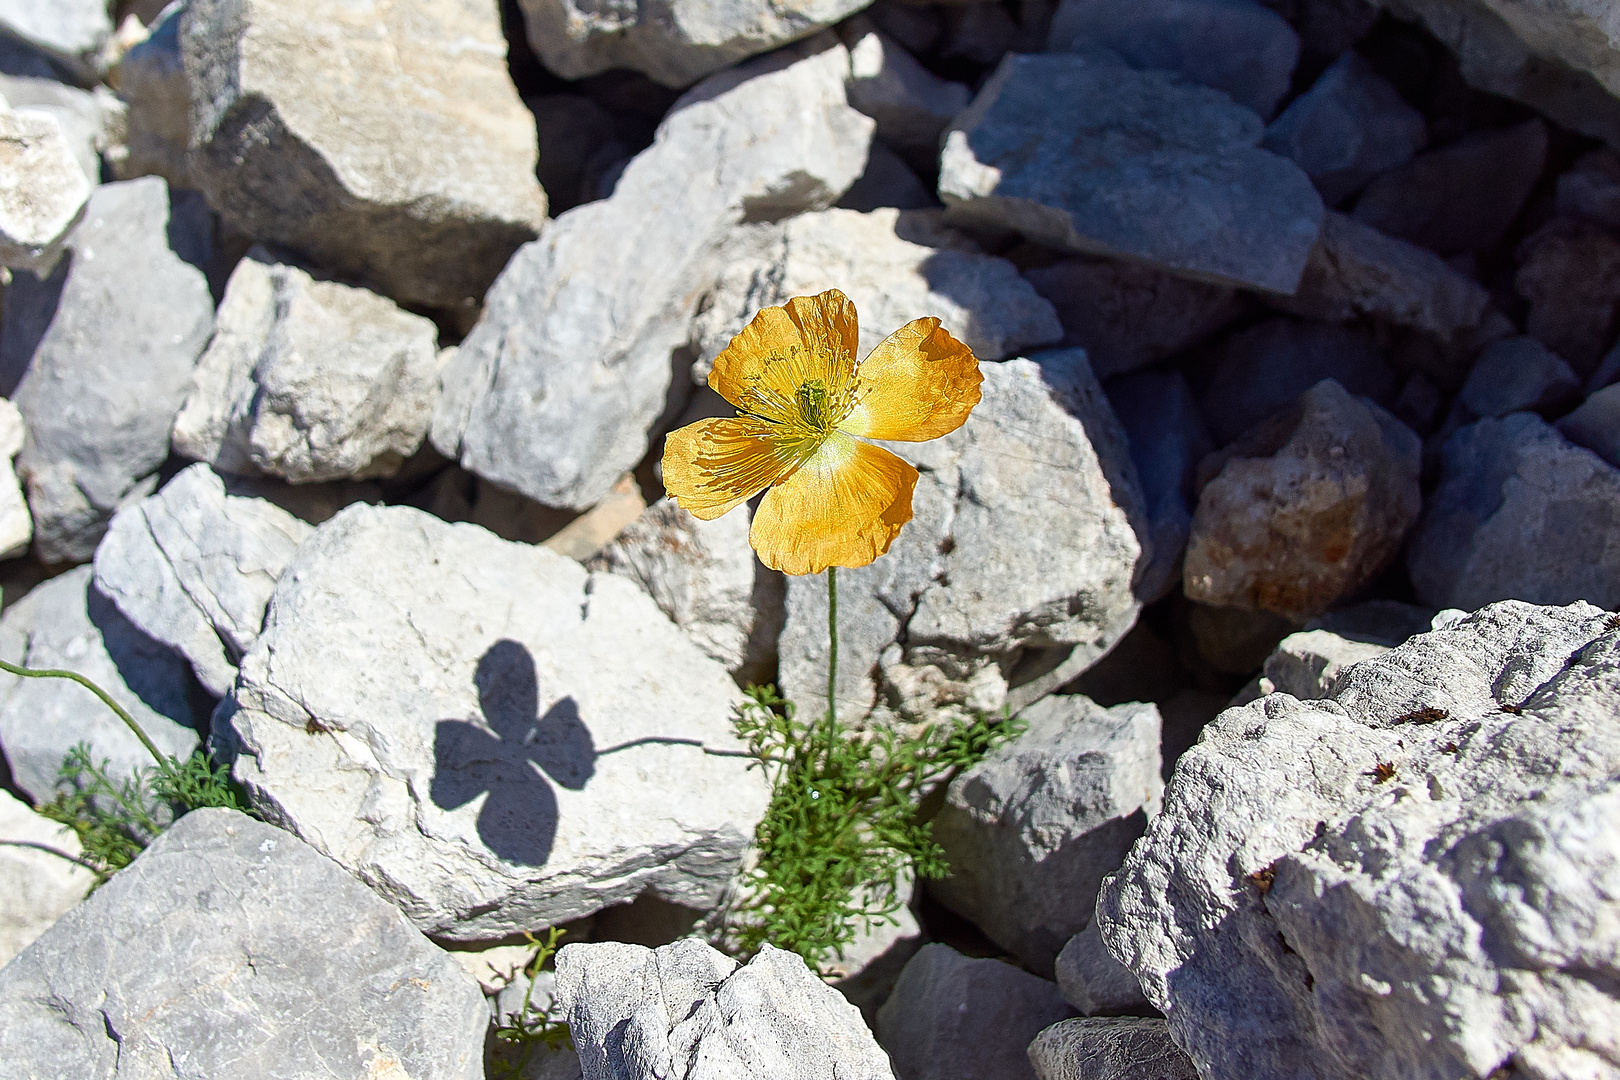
x=1093 y=981
x=93 y=121
x=1031 y=830
x=230 y=948
x=42 y=189
x=887 y=182
x=16 y=526
x=1569 y=271
x=555 y=389
x=1515 y=375
x=1413 y=876
x=74 y=33
x=194 y=566
x=152 y=83
x=39 y=879
x=309 y=380
x=1596 y=425
x=1081 y=153
x=910 y=104
x=384 y=142
x=490 y=737
x=1109 y=1048
x=1308 y=664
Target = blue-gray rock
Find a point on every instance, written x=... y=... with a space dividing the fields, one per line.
x=1347 y=128
x=1082 y=153
x=74 y=33
x=152 y=84
x=232 y=948
x=1591 y=189
x=1569 y=271
x=1093 y=981
x=910 y=104
x=1596 y=425
x=1517 y=374
x=1110 y=1048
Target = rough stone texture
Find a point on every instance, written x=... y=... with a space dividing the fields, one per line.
x=193 y=567
x=1081 y=153
x=475 y=728
x=687 y=1010
x=37 y=885
x=1569 y=271
x=1031 y=829
x=1347 y=128
x=66 y=623
x=16 y=526
x=1517 y=374
x=1596 y=425
x=383 y=141
x=1304 y=509
x=587 y=535
x=1240 y=47
x=952 y=1018
x=309 y=380
x=910 y=104
x=104 y=348
x=1518 y=513
x=674 y=42
x=1109 y=1048
x=1307 y=665
x=93 y=121
x=554 y=390
x=1127 y=316
x=1414 y=877
x=1093 y=981
x=42 y=189
x=935 y=627
x=1460 y=197
x=893 y=265
x=72 y=32
x=152 y=83
x=230 y=948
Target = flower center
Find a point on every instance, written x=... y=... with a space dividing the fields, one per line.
x=814 y=406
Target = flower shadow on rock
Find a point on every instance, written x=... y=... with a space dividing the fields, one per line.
x=518 y=821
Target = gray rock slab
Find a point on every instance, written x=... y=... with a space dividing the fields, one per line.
x=1240 y=47
x=955 y=1018
x=230 y=948
x=42 y=189
x=1305 y=509
x=1407 y=878
x=1081 y=153
x=910 y=104
x=193 y=567
x=934 y=628
x=1031 y=830
x=1518 y=513
x=1518 y=374
x=65 y=623
x=39 y=881
x=309 y=380
x=1596 y=425
x=152 y=84
x=1569 y=272
x=1308 y=664
x=16 y=526
x=104 y=349
x=74 y=33
x=489 y=736
x=1093 y=981
x=553 y=392
x=385 y=143
x=93 y=120
x=687 y=1010
x=1350 y=126
x=1109 y=1048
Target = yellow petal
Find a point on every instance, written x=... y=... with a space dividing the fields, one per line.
x=918 y=384
x=843 y=507
x=715 y=464
x=782 y=348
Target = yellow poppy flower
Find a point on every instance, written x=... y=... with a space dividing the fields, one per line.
x=832 y=500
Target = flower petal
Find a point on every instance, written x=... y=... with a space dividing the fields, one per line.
x=843 y=507
x=809 y=337
x=918 y=384
x=715 y=464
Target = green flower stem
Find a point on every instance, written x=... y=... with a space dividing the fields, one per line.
x=832 y=642
x=163 y=763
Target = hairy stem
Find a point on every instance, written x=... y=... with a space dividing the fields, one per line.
x=832 y=643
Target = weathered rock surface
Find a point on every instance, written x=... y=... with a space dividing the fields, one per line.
x=554 y=390
x=16 y=526
x=1307 y=665
x=1569 y=271
x=1412 y=877
x=477 y=729
x=1093 y=981
x=1304 y=509
x=93 y=121
x=66 y=623
x=230 y=948
x=952 y=1018
x=104 y=349
x=71 y=32
x=1515 y=375
x=39 y=881
x=1519 y=513
x=386 y=142
x=152 y=83
x=194 y=566
x=1081 y=153
x=1033 y=827
x=910 y=104
x=1109 y=1048
x=935 y=627
x=1596 y=425
x=42 y=189
x=893 y=265
x=309 y=380
x=687 y=1010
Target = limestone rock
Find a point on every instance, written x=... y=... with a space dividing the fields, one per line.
x=1596 y=425
x=1308 y=664
x=1031 y=830
x=39 y=881
x=887 y=182
x=152 y=83
x=42 y=189
x=1516 y=375
x=1081 y=153
x=1591 y=189
x=1518 y=513
x=229 y=948
x=934 y=628
x=1093 y=981
x=93 y=121
x=309 y=380
x=16 y=526
x=193 y=567
x=386 y=142
x=1411 y=877
x=1109 y=1048
x=555 y=389
x=72 y=32
x=66 y=623
x=487 y=735
x=910 y=104
x=690 y=1011
x=104 y=348
x=1569 y=271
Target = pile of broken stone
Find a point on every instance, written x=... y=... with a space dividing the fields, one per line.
x=1289 y=524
